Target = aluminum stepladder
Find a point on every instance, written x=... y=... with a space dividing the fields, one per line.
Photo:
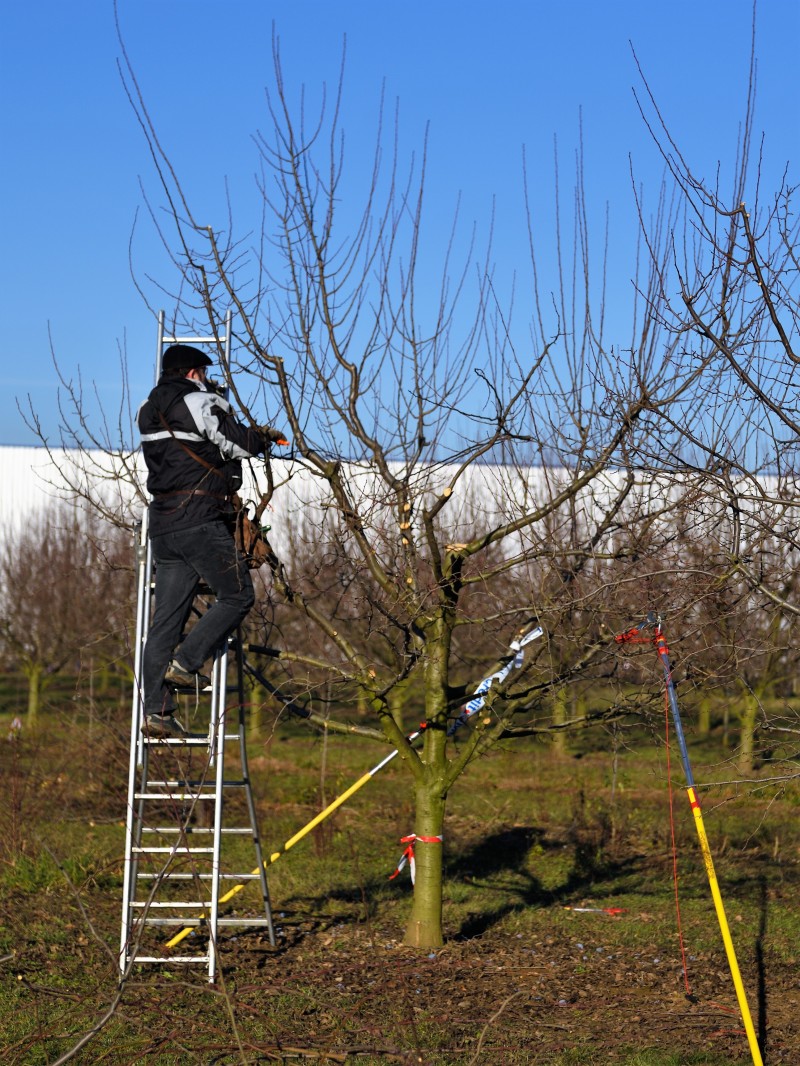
x=173 y=782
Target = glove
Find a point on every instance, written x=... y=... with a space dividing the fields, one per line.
x=274 y=436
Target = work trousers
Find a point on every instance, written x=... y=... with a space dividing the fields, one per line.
x=184 y=559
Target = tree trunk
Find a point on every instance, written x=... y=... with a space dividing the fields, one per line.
x=362 y=706
x=254 y=705
x=560 y=719
x=424 y=929
x=33 y=673
x=103 y=678
x=704 y=716
x=748 y=717
x=396 y=699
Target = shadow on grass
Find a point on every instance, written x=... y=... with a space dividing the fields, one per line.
x=760 y=965
x=499 y=863
x=507 y=852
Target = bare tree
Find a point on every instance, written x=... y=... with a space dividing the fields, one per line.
x=727 y=295
x=66 y=589
x=462 y=463
x=464 y=479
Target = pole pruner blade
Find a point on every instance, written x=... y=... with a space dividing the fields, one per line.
x=636 y=634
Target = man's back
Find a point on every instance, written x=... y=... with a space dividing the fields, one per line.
x=192 y=445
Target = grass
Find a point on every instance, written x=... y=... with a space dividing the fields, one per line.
x=521 y=978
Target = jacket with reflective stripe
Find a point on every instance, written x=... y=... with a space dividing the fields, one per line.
x=190 y=489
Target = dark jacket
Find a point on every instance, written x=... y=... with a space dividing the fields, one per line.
x=193 y=447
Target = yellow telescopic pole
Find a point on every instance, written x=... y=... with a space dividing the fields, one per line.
x=471 y=708
x=298 y=836
x=632 y=636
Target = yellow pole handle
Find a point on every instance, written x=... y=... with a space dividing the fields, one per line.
x=744 y=1009
x=289 y=844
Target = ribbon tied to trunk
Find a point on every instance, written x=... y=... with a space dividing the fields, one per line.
x=408 y=854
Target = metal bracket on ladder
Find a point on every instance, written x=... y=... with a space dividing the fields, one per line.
x=174 y=784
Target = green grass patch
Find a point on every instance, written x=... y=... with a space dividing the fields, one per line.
x=534 y=970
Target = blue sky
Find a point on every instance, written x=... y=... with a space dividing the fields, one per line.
x=488 y=78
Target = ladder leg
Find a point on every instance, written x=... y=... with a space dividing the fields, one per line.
x=133 y=814
x=132 y=841
x=251 y=806
x=217 y=737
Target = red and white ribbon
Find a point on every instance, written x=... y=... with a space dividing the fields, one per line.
x=408 y=854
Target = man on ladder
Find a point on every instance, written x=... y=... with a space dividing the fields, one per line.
x=193 y=448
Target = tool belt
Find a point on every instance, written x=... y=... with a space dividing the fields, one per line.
x=191 y=492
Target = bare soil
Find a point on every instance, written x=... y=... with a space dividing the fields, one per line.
x=500 y=999
x=336 y=991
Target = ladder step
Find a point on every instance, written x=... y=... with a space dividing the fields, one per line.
x=188 y=783
x=161 y=958
x=194 y=830
x=192 y=905
x=172 y=851
x=194 y=922
x=193 y=740
x=196 y=877
x=174 y=795
x=177 y=920
x=194 y=340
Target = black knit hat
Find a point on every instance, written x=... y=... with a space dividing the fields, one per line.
x=184 y=357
